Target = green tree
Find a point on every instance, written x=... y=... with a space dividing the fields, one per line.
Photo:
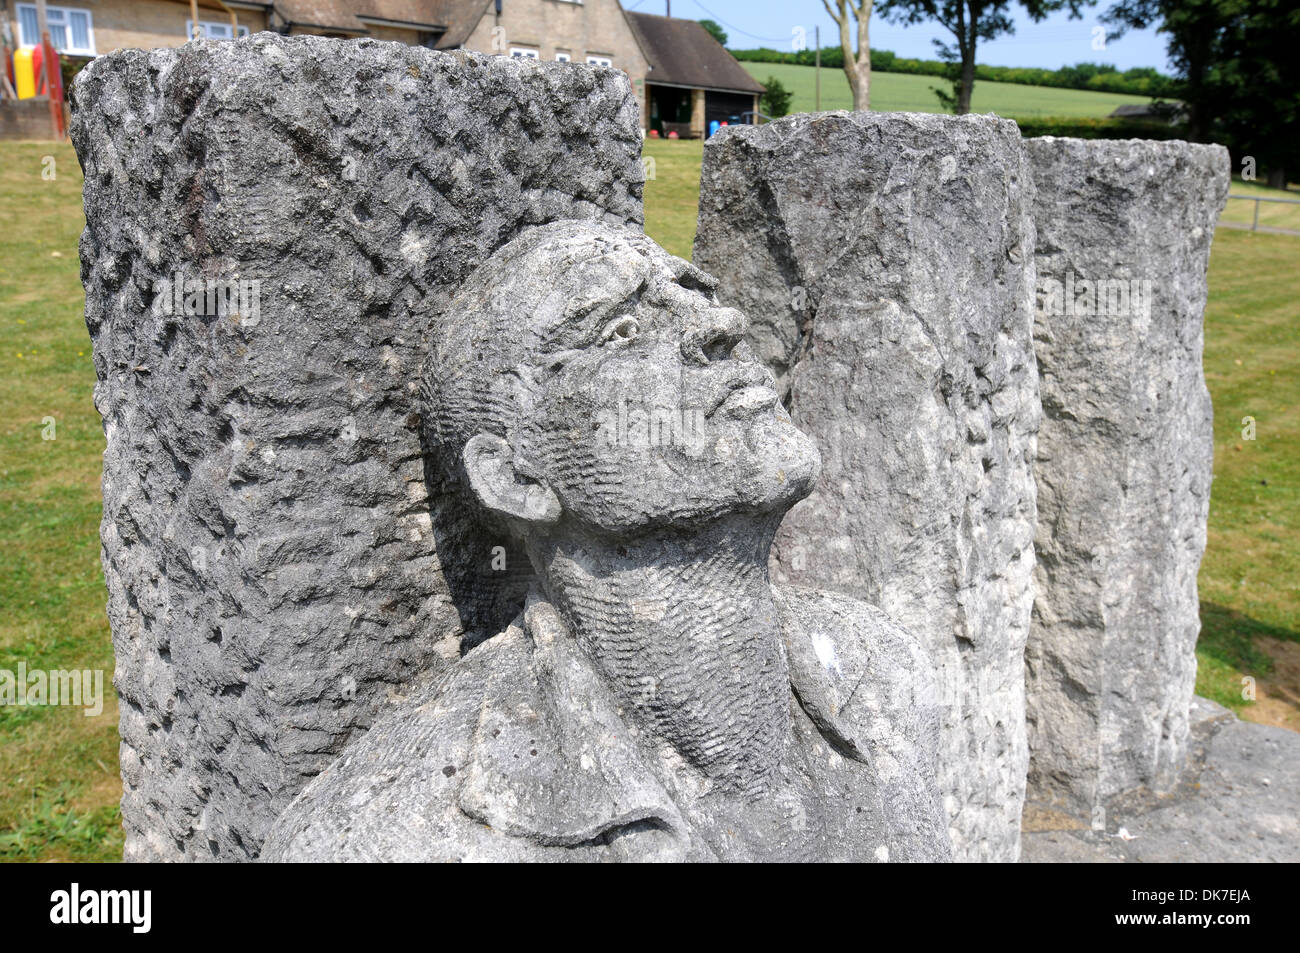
x=1237 y=72
x=775 y=101
x=969 y=21
x=715 y=30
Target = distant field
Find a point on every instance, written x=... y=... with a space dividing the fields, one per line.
x=905 y=92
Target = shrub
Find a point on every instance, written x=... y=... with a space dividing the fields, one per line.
x=775 y=101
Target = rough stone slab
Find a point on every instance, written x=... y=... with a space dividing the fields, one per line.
x=886 y=262
x=1124 y=460
x=277 y=576
x=1238 y=802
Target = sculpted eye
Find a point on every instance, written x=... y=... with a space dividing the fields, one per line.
x=621 y=330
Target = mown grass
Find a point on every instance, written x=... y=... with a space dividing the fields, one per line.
x=906 y=92
x=1271 y=214
x=59 y=800
x=1250 y=578
x=672 y=195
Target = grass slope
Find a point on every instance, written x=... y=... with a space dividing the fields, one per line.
x=906 y=92
x=59 y=800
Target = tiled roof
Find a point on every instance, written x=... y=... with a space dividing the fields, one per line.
x=683 y=53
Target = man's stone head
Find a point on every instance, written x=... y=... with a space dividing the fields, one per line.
x=585 y=377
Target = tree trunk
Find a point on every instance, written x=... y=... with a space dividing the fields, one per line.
x=1198 y=56
x=857 y=67
x=1277 y=177
x=862 y=100
x=861 y=84
x=967 y=46
x=967 y=84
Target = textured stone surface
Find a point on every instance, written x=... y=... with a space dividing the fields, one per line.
x=887 y=262
x=276 y=574
x=1237 y=802
x=1124 y=461
x=523 y=754
x=659 y=699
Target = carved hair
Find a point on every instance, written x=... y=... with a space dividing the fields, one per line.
x=482 y=370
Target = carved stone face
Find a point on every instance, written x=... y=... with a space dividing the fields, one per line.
x=635 y=401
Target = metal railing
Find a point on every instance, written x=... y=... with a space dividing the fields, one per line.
x=1254 y=225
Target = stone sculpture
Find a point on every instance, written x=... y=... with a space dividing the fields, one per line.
x=658 y=698
x=887 y=260
x=270 y=224
x=1124 y=462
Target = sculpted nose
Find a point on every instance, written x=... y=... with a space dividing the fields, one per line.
x=716 y=337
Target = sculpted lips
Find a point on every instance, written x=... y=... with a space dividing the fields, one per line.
x=744 y=392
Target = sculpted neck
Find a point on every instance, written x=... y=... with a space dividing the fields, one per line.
x=685 y=628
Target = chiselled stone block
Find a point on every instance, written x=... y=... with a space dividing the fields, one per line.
x=271 y=226
x=886 y=261
x=1124 y=460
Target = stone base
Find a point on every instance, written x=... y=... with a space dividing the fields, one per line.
x=1239 y=801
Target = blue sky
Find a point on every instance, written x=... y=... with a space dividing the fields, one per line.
x=1057 y=41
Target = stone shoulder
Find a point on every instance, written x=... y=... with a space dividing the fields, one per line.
x=519 y=755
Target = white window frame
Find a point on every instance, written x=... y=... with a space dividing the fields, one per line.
x=595 y=59
x=58 y=16
x=207 y=27
x=563 y=58
x=524 y=53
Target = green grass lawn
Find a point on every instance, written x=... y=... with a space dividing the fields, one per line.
x=1272 y=214
x=59 y=800
x=1250 y=578
x=906 y=92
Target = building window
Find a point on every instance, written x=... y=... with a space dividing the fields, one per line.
x=599 y=61
x=523 y=53
x=71 y=30
x=212 y=31
x=562 y=58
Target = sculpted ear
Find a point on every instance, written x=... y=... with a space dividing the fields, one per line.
x=489 y=464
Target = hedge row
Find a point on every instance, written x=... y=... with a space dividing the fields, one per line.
x=1098 y=77
x=1099 y=128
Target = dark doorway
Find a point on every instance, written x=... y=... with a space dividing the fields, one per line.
x=668 y=104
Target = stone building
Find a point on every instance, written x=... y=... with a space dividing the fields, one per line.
x=683 y=78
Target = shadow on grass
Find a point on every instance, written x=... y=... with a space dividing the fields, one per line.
x=1228 y=636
